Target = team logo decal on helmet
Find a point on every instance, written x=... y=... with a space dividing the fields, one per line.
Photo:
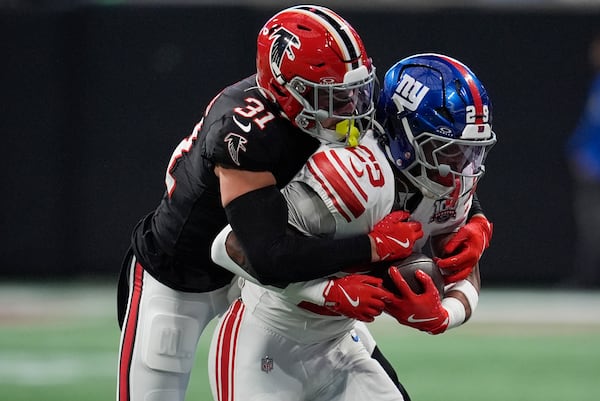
x=283 y=44
x=235 y=144
x=409 y=93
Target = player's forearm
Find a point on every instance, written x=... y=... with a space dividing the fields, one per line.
x=227 y=253
x=276 y=257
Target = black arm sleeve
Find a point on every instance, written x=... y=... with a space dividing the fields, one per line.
x=277 y=257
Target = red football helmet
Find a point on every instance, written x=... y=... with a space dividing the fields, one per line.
x=314 y=65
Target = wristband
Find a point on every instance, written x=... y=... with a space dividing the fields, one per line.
x=470 y=292
x=456 y=311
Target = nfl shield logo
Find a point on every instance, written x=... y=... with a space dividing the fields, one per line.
x=266 y=364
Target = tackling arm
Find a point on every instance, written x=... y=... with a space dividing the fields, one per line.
x=335 y=294
x=259 y=218
x=227 y=252
x=258 y=214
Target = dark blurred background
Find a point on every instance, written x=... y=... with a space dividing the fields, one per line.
x=96 y=95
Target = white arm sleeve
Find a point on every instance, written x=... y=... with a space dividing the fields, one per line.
x=219 y=255
x=311 y=291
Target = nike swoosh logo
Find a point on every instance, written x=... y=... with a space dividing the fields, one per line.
x=403 y=244
x=413 y=319
x=244 y=127
x=353 y=302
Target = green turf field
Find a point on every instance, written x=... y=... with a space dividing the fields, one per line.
x=60 y=343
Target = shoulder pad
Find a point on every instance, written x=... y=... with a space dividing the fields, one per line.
x=243 y=131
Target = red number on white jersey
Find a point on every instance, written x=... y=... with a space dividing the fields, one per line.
x=340 y=174
x=370 y=164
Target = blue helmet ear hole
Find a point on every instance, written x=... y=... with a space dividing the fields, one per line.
x=445 y=113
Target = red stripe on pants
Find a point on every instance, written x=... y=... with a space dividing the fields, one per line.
x=225 y=355
x=129 y=333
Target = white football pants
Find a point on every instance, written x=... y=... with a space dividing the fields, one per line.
x=160 y=335
x=250 y=362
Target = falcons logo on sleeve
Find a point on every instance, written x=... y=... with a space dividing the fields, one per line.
x=235 y=144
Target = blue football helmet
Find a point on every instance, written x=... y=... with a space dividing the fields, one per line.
x=437 y=122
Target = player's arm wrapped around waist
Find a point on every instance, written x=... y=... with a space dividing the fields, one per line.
x=274 y=255
x=355 y=296
x=226 y=253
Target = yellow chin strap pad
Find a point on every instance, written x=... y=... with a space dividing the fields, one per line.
x=347 y=128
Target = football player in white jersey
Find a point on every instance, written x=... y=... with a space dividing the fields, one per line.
x=304 y=341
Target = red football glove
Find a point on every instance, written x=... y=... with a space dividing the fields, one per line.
x=421 y=311
x=394 y=236
x=356 y=296
x=464 y=249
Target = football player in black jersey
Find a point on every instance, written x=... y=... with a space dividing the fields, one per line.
x=314 y=84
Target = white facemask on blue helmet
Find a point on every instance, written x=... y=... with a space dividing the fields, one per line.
x=437 y=122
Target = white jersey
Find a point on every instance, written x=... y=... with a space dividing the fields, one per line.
x=341 y=192
x=356 y=186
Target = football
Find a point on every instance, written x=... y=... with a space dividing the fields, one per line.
x=407 y=267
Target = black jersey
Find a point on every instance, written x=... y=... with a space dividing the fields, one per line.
x=240 y=129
